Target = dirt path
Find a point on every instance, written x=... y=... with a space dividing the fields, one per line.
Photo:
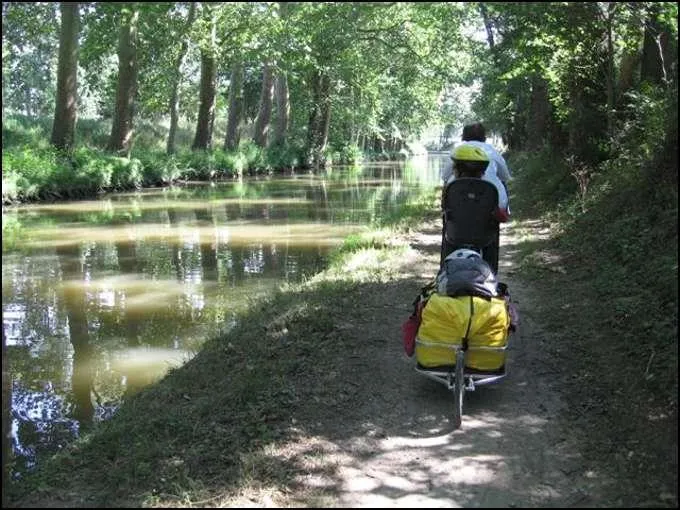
x=395 y=448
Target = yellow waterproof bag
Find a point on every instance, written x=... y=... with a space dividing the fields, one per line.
x=446 y=319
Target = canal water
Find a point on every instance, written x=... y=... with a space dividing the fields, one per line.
x=102 y=297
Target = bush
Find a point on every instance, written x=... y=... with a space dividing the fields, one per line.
x=30 y=171
x=284 y=157
x=158 y=168
x=544 y=178
x=254 y=156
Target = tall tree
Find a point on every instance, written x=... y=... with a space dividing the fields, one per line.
x=655 y=49
x=261 y=130
x=607 y=12
x=177 y=78
x=206 y=108
x=282 y=109
x=281 y=92
x=66 y=107
x=123 y=116
x=235 y=106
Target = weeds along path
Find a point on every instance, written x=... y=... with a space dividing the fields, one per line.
x=395 y=447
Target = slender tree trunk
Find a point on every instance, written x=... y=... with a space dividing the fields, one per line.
x=319 y=122
x=629 y=63
x=652 y=53
x=177 y=79
x=122 y=128
x=576 y=140
x=235 y=106
x=325 y=112
x=28 y=102
x=611 y=77
x=263 y=120
x=487 y=25
x=314 y=116
x=282 y=110
x=539 y=115
x=66 y=107
x=206 y=110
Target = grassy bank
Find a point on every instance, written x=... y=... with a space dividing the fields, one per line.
x=35 y=171
x=607 y=279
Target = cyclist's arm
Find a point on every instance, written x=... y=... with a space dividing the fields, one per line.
x=502 y=169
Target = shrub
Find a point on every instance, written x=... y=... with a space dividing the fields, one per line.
x=283 y=157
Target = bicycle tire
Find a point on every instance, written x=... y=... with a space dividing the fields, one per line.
x=458 y=390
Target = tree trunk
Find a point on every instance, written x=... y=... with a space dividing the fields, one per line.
x=652 y=55
x=121 y=130
x=206 y=109
x=235 y=107
x=177 y=79
x=314 y=116
x=611 y=77
x=576 y=139
x=539 y=114
x=325 y=113
x=282 y=110
x=487 y=25
x=319 y=121
x=629 y=63
x=264 y=114
x=66 y=107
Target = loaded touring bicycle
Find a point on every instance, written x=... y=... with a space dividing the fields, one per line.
x=464 y=318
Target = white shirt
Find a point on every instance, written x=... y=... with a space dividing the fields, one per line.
x=496 y=172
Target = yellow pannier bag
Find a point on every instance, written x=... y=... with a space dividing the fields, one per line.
x=445 y=320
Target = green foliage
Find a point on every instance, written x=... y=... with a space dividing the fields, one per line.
x=619 y=221
x=158 y=168
x=284 y=157
x=254 y=155
x=348 y=154
x=27 y=171
x=644 y=125
x=544 y=179
x=29 y=51
x=93 y=132
x=22 y=130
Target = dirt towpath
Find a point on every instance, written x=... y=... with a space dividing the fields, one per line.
x=395 y=446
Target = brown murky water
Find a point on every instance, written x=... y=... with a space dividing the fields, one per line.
x=102 y=297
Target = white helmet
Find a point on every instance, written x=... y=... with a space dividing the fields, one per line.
x=463 y=253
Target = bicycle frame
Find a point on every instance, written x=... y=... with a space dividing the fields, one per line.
x=458 y=378
x=471 y=377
